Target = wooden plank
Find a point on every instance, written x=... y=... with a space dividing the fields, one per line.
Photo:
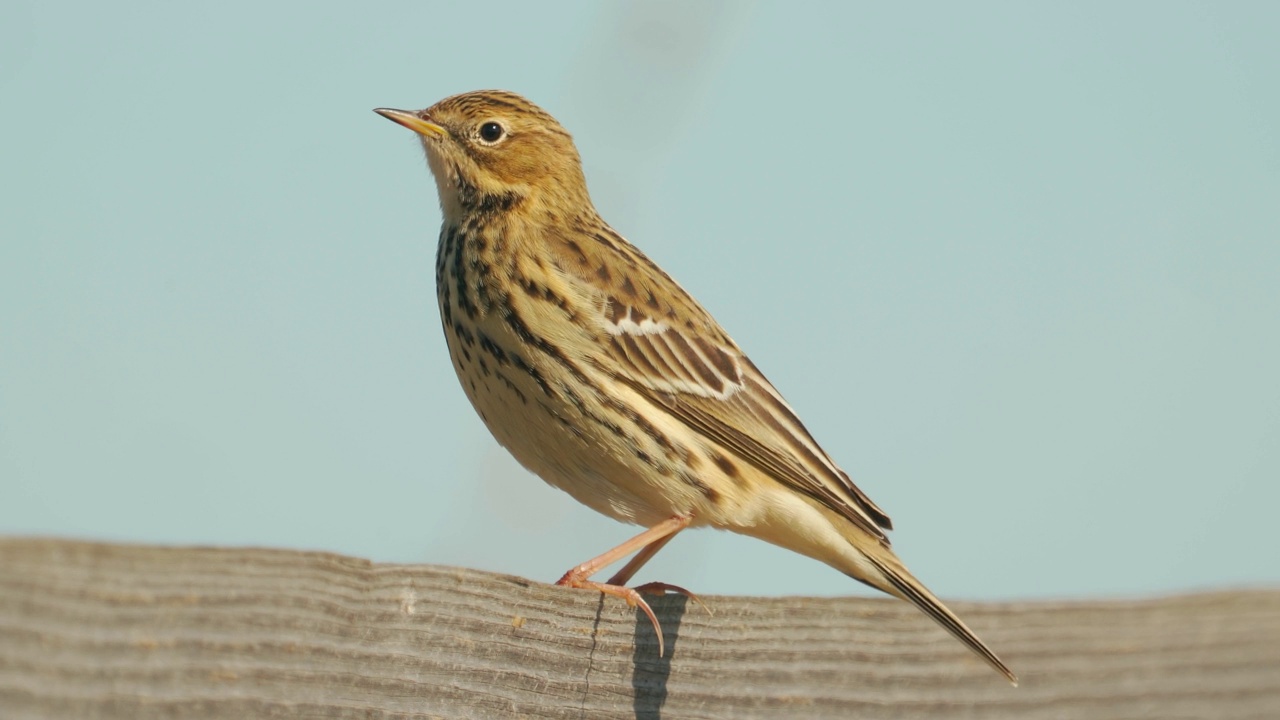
x=95 y=630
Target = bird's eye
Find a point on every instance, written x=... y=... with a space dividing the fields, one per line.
x=491 y=132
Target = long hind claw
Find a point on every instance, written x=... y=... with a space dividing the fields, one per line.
x=661 y=588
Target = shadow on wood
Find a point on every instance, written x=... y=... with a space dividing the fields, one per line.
x=107 y=631
x=651 y=673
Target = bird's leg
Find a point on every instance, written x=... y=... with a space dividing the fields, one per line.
x=655 y=537
x=645 y=555
x=653 y=588
x=648 y=542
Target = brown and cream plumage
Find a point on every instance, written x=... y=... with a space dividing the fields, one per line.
x=603 y=376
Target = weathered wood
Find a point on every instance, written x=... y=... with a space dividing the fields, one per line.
x=92 y=630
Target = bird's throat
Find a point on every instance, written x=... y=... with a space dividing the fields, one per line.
x=446 y=176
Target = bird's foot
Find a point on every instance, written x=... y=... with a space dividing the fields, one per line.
x=630 y=595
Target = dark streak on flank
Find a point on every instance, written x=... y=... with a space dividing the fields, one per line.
x=513 y=388
x=641 y=422
x=726 y=465
x=550 y=296
x=564 y=422
x=531 y=288
x=531 y=371
x=492 y=348
x=463 y=333
x=707 y=491
x=572 y=396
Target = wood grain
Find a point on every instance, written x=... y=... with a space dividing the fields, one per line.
x=93 y=630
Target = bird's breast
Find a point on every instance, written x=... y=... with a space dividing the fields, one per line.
x=522 y=345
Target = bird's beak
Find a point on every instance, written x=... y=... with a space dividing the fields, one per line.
x=412 y=121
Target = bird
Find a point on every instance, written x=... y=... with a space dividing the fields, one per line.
x=602 y=375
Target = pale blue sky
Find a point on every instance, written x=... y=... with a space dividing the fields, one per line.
x=1017 y=265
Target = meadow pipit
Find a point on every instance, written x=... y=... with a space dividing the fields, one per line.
x=603 y=376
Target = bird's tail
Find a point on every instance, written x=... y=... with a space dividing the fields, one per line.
x=903 y=584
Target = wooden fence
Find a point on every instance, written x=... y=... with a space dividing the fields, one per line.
x=94 y=630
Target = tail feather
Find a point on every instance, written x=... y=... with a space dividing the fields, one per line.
x=904 y=585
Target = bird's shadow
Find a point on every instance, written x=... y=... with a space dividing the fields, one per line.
x=649 y=677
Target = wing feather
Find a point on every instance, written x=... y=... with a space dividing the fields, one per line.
x=703 y=379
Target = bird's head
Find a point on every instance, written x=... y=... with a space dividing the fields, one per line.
x=493 y=150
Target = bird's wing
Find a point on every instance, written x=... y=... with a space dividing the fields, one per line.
x=663 y=344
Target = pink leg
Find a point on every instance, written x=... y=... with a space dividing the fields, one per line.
x=623 y=576
x=654 y=588
x=645 y=542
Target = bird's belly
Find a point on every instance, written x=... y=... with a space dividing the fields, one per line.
x=542 y=412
